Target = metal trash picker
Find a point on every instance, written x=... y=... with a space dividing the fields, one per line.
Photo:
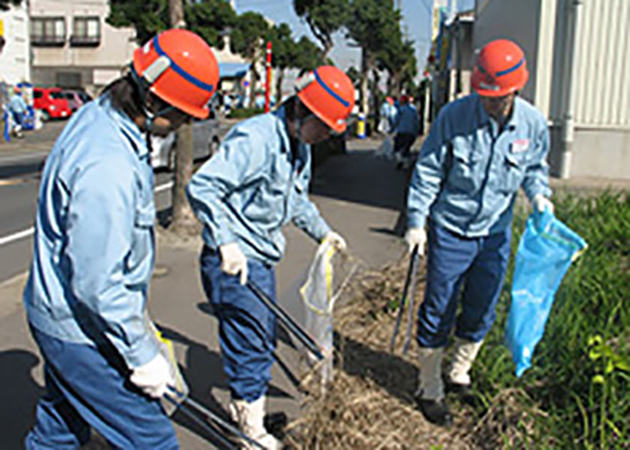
x=287 y=321
x=410 y=284
x=188 y=406
x=178 y=398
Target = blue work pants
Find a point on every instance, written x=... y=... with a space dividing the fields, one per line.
x=88 y=386
x=476 y=264
x=247 y=329
x=403 y=143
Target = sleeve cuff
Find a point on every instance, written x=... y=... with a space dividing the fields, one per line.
x=320 y=230
x=416 y=222
x=142 y=352
x=225 y=236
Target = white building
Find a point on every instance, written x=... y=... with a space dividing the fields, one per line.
x=73 y=46
x=578 y=55
x=14 y=57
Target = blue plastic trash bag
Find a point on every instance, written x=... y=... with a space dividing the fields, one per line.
x=545 y=252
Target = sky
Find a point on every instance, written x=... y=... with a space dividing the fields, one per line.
x=416 y=23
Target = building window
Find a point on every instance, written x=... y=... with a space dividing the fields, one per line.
x=86 y=31
x=48 y=31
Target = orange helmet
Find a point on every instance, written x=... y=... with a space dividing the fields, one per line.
x=180 y=68
x=500 y=69
x=329 y=94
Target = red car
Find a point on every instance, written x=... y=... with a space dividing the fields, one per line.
x=52 y=102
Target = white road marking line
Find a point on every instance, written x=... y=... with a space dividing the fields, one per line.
x=17 y=236
x=163 y=187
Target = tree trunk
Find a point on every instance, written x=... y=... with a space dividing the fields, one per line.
x=253 y=75
x=375 y=95
x=176 y=14
x=182 y=216
x=365 y=70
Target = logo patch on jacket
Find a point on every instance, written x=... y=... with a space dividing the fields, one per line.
x=520 y=146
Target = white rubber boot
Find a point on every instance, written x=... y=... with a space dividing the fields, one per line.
x=430 y=393
x=464 y=355
x=249 y=417
x=430 y=385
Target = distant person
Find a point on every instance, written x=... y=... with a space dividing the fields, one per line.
x=406 y=127
x=255 y=185
x=259 y=101
x=481 y=149
x=387 y=116
x=227 y=104
x=94 y=250
x=17 y=107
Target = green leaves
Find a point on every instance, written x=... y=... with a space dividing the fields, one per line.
x=208 y=18
x=324 y=17
x=599 y=350
x=248 y=35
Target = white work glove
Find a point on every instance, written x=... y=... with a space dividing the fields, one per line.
x=540 y=203
x=233 y=261
x=336 y=241
x=416 y=236
x=154 y=377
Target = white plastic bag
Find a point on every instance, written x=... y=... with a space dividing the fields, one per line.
x=386 y=149
x=317 y=294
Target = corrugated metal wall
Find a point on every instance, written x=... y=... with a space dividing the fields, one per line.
x=602 y=94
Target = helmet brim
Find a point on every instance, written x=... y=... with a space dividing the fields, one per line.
x=338 y=128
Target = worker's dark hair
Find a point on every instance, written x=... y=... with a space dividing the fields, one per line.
x=295 y=109
x=125 y=96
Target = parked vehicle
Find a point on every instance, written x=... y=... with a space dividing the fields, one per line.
x=207 y=135
x=76 y=98
x=52 y=102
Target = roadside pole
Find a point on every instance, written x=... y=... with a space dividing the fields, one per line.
x=268 y=80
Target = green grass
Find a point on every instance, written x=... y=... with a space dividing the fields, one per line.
x=577 y=394
x=245 y=113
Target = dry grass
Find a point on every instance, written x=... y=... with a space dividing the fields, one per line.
x=370 y=405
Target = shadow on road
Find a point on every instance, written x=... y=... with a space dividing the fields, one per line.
x=18 y=396
x=31 y=167
x=204 y=373
x=361 y=177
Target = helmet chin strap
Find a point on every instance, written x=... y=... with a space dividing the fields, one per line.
x=143 y=88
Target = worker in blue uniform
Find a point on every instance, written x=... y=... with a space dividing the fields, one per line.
x=406 y=127
x=479 y=152
x=94 y=252
x=257 y=183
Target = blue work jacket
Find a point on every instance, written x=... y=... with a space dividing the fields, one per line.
x=17 y=104
x=94 y=236
x=252 y=187
x=468 y=171
x=407 y=120
x=389 y=112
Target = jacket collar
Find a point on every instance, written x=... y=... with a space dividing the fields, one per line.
x=283 y=130
x=485 y=119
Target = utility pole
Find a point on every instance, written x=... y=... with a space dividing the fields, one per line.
x=182 y=217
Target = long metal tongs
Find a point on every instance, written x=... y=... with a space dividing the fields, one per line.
x=188 y=406
x=408 y=292
x=287 y=321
